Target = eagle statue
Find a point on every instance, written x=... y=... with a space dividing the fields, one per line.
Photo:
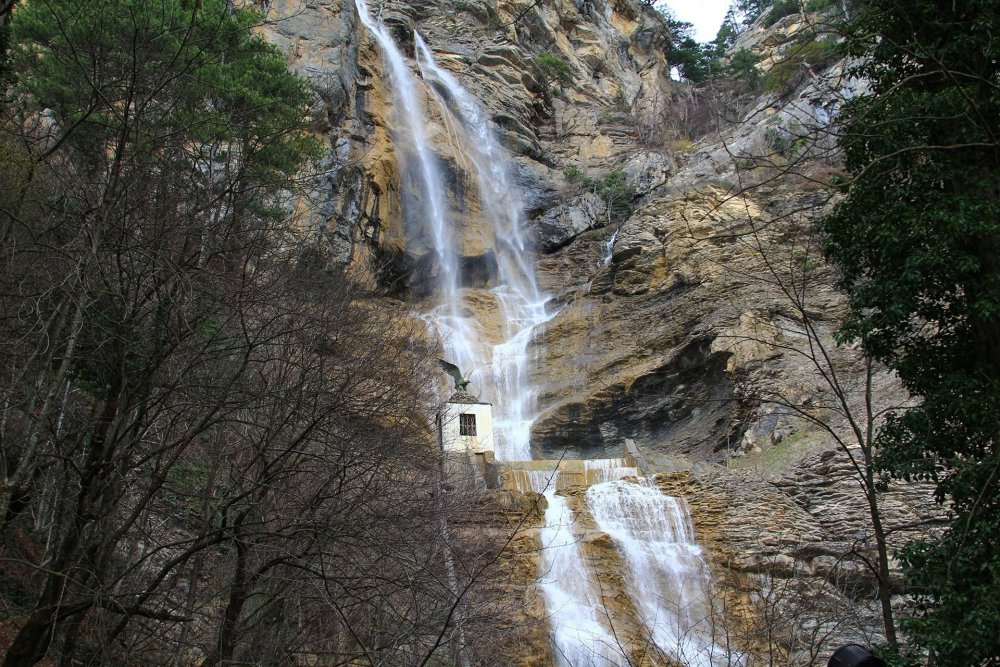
x=452 y=370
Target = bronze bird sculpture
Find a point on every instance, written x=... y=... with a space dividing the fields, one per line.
x=452 y=370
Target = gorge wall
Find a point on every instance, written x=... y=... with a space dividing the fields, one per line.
x=673 y=320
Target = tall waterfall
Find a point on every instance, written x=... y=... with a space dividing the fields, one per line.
x=665 y=572
x=522 y=306
x=420 y=164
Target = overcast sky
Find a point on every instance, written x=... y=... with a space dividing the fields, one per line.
x=706 y=15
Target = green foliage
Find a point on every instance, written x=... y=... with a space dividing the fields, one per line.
x=4 y=64
x=685 y=53
x=918 y=241
x=615 y=190
x=223 y=84
x=804 y=54
x=743 y=66
x=699 y=63
x=573 y=174
x=752 y=9
x=778 y=140
x=728 y=32
x=818 y=5
x=554 y=68
x=779 y=10
x=776 y=10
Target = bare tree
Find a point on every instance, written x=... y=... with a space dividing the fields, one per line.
x=216 y=446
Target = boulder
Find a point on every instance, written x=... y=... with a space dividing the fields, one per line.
x=647 y=171
x=560 y=225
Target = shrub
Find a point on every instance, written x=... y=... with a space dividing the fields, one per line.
x=554 y=68
x=786 y=74
x=779 y=10
x=778 y=140
x=615 y=190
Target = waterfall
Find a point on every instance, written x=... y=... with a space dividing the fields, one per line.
x=419 y=162
x=667 y=577
x=609 y=249
x=597 y=471
x=579 y=638
x=521 y=304
x=665 y=571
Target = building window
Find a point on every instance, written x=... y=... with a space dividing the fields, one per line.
x=467 y=424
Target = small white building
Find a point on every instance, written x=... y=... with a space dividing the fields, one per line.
x=465 y=425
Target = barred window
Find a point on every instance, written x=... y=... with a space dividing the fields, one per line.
x=467 y=424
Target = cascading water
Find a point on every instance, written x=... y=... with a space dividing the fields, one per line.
x=650 y=529
x=598 y=471
x=420 y=165
x=667 y=577
x=609 y=250
x=579 y=637
x=521 y=304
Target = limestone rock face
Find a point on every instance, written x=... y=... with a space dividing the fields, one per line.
x=565 y=222
x=615 y=50
x=647 y=171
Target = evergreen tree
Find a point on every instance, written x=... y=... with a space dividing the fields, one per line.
x=918 y=240
x=728 y=32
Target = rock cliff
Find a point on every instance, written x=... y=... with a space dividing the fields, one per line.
x=615 y=55
x=697 y=320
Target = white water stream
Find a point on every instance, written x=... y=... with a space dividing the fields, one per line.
x=522 y=307
x=665 y=571
x=419 y=163
x=572 y=598
x=667 y=577
x=609 y=249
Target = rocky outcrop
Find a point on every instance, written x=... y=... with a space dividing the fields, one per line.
x=681 y=337
x=700 y=325
x=615 y=50
x=560 y=225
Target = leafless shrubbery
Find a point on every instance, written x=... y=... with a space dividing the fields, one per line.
x=215 y=446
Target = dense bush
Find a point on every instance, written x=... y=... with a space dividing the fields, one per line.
x=788 y=73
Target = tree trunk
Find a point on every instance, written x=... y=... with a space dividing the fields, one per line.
x=65 y=576
x=27 y=463
x=884 y=589
x=239 y=591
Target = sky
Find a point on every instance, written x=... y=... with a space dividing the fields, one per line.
x=706 y=15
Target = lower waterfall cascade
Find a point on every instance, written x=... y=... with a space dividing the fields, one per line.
x=666 y=574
